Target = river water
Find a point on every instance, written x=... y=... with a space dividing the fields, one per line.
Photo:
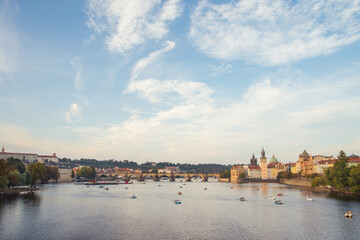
x=67 y=211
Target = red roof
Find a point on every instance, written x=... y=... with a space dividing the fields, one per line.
x=252 y=167
x=271 y=165
x=326 y=162
x=19 y=153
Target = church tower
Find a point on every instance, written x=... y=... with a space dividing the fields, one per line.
x=253 y=161
x=263 y=165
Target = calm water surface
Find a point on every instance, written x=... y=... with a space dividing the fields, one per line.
x=69 y=211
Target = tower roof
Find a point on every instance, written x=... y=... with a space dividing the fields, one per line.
x=262 y=153
x=305 y=154
x=273 y=159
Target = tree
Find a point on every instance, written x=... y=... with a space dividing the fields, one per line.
x=92 y=172
x=154 y=170
x=15 y=163
x=37 y=171
x=242 y=175
x=14 y=178
x=72 y=173
x=4 y=170
x=85 y=172
x=4 y=182
x=354 y=179
x=27 y=177
x=225 y=174
x=338 y=176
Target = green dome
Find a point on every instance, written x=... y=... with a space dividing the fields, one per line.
x=273 y=159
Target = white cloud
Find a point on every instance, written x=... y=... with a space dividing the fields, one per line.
x=78 y=73
x=74 y=112
x=130 y=23
x=273 y=33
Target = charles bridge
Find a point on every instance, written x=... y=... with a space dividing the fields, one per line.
x=141 y=176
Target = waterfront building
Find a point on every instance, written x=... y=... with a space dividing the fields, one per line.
x=306 y=164
x=318 y=158
x=354 y=160
x=274 y=168
x=253 y=161
x=322 y=165
x=48 y=158
x=290 y=167
x=236 y=171
x=263 y=165
x=253 y=172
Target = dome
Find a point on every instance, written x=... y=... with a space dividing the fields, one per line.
x=273 y=159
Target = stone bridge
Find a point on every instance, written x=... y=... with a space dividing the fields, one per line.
x=156 y=176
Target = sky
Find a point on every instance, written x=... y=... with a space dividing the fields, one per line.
x=180 y=81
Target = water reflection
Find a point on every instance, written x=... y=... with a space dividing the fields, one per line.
x=76 y=212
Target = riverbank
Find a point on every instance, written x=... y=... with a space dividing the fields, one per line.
x=14 y=191
x=296 y=182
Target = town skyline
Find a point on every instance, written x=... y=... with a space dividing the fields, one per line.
x=180 y=81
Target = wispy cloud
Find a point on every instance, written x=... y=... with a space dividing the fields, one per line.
x=130 y=23
x=272 y=33
x=78 y=73
x=74 y=112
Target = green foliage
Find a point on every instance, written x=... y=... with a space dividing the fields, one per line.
x=287 y=175
x=92 y=172
x=27 y=177
x=4 y=182
x=14 y=178
x=241 y=175
x=37 y=171
x=338 y=176
x=154 y=170
x=354 y=179
x=72 y=174
x=85 y=172
x=15 y=163
x=4 y=170
x=225 y=174
x=318 y=181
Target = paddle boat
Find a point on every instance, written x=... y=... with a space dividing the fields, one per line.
x=180 y=186
x=348 y=214
x=205 y=188
x=106 y=188
x=159 y=185
x=242 y=199
x=101 y=186
x=278 y=202
x=272 y=198
x=133 y=197
x=309 y=199
x=280 y=194
x=126 y=188
x=179 y=193
x=177 y=202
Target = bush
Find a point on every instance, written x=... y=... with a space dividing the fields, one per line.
x=4 y=182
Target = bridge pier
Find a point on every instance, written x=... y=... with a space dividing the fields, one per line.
x=156 y=178
x=188 y=178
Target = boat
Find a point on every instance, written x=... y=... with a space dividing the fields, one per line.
x=180 y=186
x=126 y=188
x=349 y=215
x=101 y=186
x=272 y=198
x=177 y=202
x=133 y=197
x=278 y=202
x=280 y=194
x=231 y=187
x=258 y=189
x=309 y=199
x=205 y=188
x=159 y=185
x=179 y=193
x=106 y=188
x=242 y=199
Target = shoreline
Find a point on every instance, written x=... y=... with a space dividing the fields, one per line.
x=14 y=191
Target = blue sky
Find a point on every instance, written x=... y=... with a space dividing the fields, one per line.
x=180 y=81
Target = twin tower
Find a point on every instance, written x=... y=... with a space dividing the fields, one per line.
x=263 y=164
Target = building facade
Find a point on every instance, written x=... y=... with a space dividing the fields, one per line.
x=28 y=157
x=236 y=171
x=263 y=165
x=306 y=164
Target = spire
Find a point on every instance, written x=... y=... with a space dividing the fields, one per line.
x=3 y=150
x=262 y=153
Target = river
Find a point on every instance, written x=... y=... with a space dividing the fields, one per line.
x=67 y=211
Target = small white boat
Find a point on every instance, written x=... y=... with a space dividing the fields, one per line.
x=309 y=199
x=272 y=198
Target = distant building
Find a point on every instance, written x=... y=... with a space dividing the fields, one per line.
x=318 y=158
x=263 y=165
x=253 y=172
x=29 y=157
x=236 y=171
x=322 y=165
x=354 y=160
x=253 y=161
x=306 y=163
x=274 y=168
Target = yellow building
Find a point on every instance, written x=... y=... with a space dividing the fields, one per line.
x=263 y=165
x=306 y=164
x=235 y=172
x=274 y=168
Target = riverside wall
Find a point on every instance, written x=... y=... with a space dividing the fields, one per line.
x=65 y=175
x=297 y=182
x=224 y=179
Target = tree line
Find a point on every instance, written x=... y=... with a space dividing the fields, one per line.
x=340 y=177
x=14 y=173
x=199 y=168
